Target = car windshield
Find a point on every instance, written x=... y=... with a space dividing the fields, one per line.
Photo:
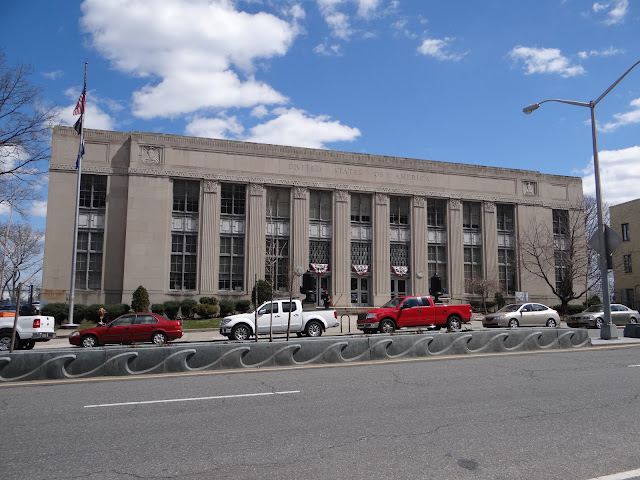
x=594 y=308
x=393 y=303
x=510 y=308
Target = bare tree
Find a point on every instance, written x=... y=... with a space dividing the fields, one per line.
x=558 y=254
x=25 y=121
x=22 y=252
x=482 y=286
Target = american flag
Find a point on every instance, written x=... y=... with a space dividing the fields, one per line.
x=80 y=106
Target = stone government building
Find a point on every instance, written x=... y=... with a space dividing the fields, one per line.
x=190 y=217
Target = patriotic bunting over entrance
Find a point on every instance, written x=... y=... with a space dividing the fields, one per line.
x=401 y=271
x=320 y=268
x=361 y=269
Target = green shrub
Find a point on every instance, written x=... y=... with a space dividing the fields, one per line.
x=171 y=308
x=157 y=308
x=187 y=305
x=91 y=312
x=499 y=299
x=571 y=309
x=59 y=311
x=115 y=310
x=263 y=290
x=243 y=306
x=205 y=310
x=80 y=312
x=140 y=300
x=227 y=307
x=593 y=300
x=209 y=300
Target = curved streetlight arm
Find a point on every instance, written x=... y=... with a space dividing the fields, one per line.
x=532 y=108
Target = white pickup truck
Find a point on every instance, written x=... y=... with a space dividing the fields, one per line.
x=30 y=329
x=276 y=314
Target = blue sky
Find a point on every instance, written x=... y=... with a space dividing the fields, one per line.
x=437 y=80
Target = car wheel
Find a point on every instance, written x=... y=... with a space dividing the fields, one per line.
x=633 y=320
x=158 y=338
x=89 y=341
x=387 y=326
x=551 y=323
x=454 y=323
x=27 y=344
x=513 y=323
x=5 y=341
x=599 y=322
x=240 y=332
x=313 y=329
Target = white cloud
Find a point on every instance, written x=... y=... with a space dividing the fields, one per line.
x=297 y=128
x=53 y=75
x=439 y=48
x=193 y=51
x=619 y=175
x=615 y=10
x=366 y=8
x=605 y=52
x=39 y=208
x=545 y=60
x=95 y=117
x=214 y=127
x=624 y=118
x=327 y=50
x=259 y=111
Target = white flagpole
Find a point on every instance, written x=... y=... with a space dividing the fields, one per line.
x=72 y=287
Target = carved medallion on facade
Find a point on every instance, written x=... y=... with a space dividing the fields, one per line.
x=150 y=154
x=454 y=204
x=489 y=207
x=529 y=188
x=210 y=186
x=299 y=192
x=418 y=201
x=382 y=199
x=342 y=196
x=255 y=189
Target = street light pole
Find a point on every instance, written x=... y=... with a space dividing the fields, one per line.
x=608 y=330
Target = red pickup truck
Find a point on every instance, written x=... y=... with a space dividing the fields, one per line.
x=413 y=312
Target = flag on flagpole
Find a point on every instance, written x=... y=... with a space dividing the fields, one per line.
x=78 y=125
x=80 y=152
x=79 y=110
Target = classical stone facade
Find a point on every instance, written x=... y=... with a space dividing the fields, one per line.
x=193 y=217
x=625 y=221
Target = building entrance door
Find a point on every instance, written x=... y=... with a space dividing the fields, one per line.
x=360 y=291
x=399 y=287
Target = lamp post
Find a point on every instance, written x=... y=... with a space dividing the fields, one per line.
x=608 y=329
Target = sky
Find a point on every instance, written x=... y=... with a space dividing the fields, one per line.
x=424 y=79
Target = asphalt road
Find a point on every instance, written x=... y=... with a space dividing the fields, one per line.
x=544 y=415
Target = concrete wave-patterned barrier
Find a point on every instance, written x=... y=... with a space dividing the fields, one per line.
x=74 y=363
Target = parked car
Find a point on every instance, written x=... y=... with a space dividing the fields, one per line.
x=29 y=330
x=130 y=328
x=520 y=315
x=594 y=316
x=413 y=311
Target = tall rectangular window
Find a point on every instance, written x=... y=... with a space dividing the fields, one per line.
x=472 y=232
x=184 y=235
x=91 y=212
x=232 y=221
x=561 y=254
x=471 y=215
x=625 y=232
x=506 y=248
x=627 y=263
x=320 y=205
x=472 y=267
x=398 y=210
x=277 y=238
x=360 y=208
x=560 y=222
x=437 y=239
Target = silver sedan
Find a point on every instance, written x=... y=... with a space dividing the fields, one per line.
x=594 y=316
x=516 y=315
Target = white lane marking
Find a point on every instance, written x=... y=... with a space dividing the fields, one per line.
x=171 y=400
x=633 y=365
x=620 y=476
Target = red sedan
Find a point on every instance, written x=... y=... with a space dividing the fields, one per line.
x=130 y=328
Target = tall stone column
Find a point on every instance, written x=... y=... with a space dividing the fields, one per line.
x=419 y=267
x=381 y=249
x=341 y=244
x=255 y=235
x=456 y=249
x=210 y=234
x=490 y=241
x=299 y=236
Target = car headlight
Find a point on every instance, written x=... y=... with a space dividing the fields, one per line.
x=75 y=334
x=225 y=321
x=371 y=315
